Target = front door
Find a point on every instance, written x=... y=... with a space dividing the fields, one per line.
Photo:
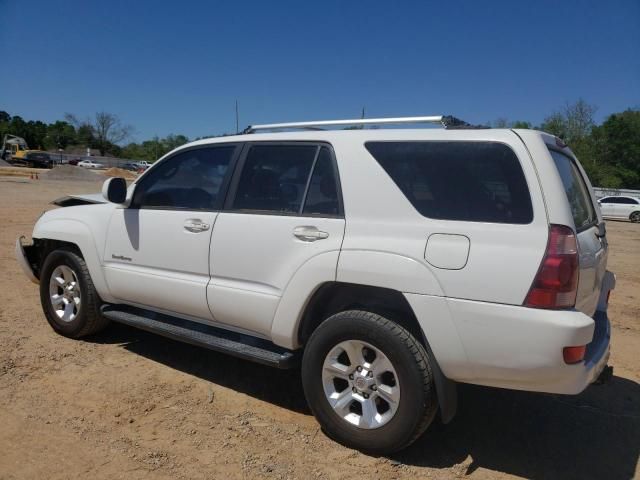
x=157 y=249
x=608 y=207
x=283 y=210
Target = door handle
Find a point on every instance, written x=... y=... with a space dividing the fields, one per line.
x=195 y=225
x=309 y=234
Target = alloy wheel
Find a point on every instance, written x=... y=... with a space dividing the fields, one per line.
x=64 y=293
x=361 y=384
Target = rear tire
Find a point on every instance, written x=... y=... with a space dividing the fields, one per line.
x=69 y=299
x=635 y=217
x=368 y=382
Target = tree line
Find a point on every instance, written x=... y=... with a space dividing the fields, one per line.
x=104 y=132
x=609 y=152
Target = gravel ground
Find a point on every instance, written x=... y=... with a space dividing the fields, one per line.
x=128 y=404
x=72 y=172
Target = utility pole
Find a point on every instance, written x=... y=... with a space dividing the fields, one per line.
x=237 y=119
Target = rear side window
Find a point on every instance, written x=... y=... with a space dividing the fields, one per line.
x=582 y=209
x=322 y=194
x=274 y=178
x=468 y=181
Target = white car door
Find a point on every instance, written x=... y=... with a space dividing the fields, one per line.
x=157 y=250
x=626 y=206
x=283 y=209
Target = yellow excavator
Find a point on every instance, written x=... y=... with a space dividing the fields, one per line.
x=16 y=151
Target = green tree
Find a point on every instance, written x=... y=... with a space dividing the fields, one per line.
x=617 y=150
x=104 y=132
x=60 y=135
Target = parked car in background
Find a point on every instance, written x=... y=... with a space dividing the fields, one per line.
x=130 y=166
x=143 y=165
x=621 y=207
x=90 y=164
x=38 y=160
x=75 y=161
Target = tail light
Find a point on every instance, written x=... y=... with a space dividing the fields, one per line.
x=573 y=355
x=556 y=283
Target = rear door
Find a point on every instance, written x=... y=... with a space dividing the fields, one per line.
x=591 y=234
x=283 y=209
x=626 y=206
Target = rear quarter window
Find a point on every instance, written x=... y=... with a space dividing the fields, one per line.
x=468 y=181
x=582 y=210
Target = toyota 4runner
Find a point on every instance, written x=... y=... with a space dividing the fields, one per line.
x=391 y=263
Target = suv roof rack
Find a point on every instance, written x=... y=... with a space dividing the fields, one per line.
x=446 y=121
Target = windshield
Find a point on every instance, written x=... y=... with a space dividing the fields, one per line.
x=584 y=214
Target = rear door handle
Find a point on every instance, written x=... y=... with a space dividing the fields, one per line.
x=309 y=234
x=195 y=225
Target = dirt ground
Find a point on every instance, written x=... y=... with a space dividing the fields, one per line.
x=128 y=404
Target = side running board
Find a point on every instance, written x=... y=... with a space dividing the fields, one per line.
x=212 y=338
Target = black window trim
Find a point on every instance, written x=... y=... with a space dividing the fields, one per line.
x=573 y=161
x=533 y=210
x=224 y=187
x=235 y=180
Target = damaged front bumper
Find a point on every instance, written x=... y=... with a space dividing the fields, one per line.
x=23 y=253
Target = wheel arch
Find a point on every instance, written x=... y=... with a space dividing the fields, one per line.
x=333 y=297
x=76 y=236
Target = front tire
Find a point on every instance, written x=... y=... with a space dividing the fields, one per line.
x=368 y=382
x=69 y=299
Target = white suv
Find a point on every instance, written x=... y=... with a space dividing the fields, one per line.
x=392 y=263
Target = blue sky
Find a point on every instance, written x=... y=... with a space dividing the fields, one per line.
x=177 y=67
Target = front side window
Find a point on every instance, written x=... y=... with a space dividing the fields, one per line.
x=467 y=181
x=274 y=178
x=582 y=209
x=190 y=180
x=608 y=200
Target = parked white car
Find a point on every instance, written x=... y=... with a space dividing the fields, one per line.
x=90 y=164
x=143 y=164
x=620 y=207
x=393 y=263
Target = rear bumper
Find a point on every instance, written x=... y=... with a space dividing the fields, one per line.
x=23 y=261
x=520 y=348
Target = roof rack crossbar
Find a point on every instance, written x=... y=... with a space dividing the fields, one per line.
x=446 y=121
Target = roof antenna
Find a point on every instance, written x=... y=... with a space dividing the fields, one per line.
x=237 y=118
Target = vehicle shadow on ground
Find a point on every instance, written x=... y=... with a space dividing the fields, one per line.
x=279 y=387
x=540 y=436
x=593 y=435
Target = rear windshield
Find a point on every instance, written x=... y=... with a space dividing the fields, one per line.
x=469 y=181
x=584 y=214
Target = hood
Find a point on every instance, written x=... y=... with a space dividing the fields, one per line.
x=84 y=199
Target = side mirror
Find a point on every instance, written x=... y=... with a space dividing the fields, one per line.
x=114 y=190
